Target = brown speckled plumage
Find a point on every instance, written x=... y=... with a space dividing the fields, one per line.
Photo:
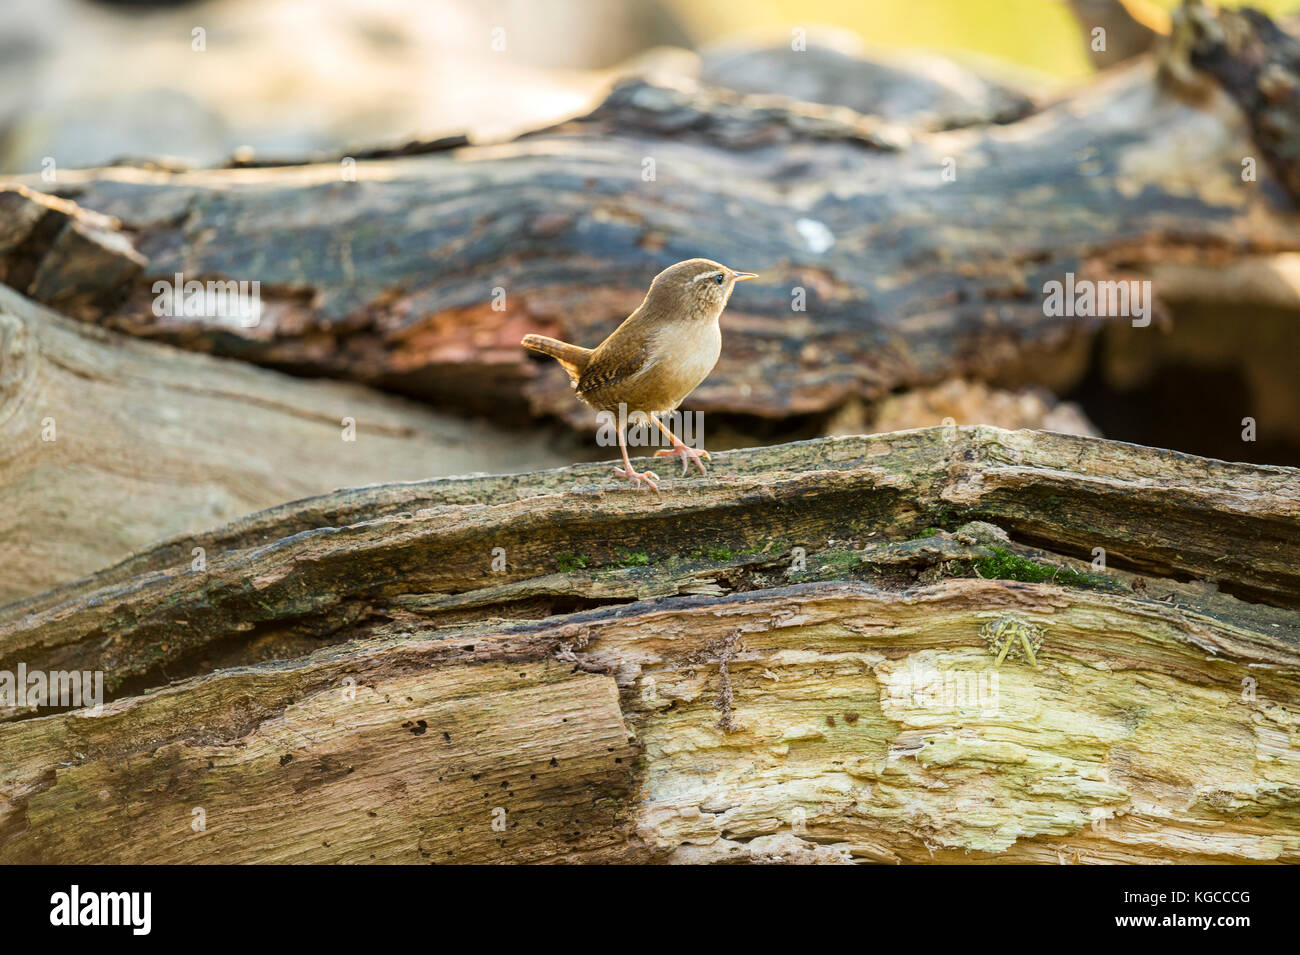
x=660 y=353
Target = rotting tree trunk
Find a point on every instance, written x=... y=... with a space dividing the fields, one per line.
x=786 y=660
x=1258 y=64
x=109 y=444
x=908 y=276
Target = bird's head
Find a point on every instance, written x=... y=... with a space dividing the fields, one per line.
x=698 y=287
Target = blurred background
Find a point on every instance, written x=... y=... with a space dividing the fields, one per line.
x=93 y=81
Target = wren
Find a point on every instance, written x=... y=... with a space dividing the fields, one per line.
x=657 y=357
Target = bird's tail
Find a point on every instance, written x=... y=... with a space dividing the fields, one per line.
x=572 y=358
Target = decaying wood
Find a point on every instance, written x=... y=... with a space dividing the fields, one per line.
x=784 y=660
x=62 y=255
x=1258 y=64
x=109 y=444
x=918 y=90
x=423 y=274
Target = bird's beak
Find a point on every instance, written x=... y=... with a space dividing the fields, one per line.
x=741 y=276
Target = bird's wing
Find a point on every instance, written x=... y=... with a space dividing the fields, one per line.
x=606 y=370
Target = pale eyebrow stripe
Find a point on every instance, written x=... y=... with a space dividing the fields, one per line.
x=703 y=276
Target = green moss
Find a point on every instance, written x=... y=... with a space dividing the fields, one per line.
x=1004 y=565
x=628 y=558
x=717 y=554
x=839 y=558
x=930 y=532
x=568 y=563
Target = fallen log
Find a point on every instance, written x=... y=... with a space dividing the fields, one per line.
x=1258 y=64
x=892 y=256
x=800 y=657
x=918 y=90
x=108 y=444
x=62 y=255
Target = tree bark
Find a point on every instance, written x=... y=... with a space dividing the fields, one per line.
x=108 y=445
x=796 y=658
x=1258 y=64
x=892 y=256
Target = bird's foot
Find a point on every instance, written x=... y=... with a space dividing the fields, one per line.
x=687 y=455
x=639 y=477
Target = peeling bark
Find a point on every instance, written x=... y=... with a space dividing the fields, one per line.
x=788 y=660
x=62 y=255
x=907 y=278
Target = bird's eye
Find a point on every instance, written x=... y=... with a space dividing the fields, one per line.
x=718 y=278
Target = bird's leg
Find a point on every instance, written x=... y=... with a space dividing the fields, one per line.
x=649 y=477
x=680 y=450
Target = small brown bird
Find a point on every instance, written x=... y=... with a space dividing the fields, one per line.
x=657 y=357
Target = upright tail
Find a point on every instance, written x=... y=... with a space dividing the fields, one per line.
x=572 y=358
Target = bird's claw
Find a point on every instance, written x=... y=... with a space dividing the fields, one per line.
x=687 y=455
x=638 y=477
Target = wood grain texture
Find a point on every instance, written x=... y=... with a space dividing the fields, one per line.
x=907 y=277
x=108 y=445
x=351 y=680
